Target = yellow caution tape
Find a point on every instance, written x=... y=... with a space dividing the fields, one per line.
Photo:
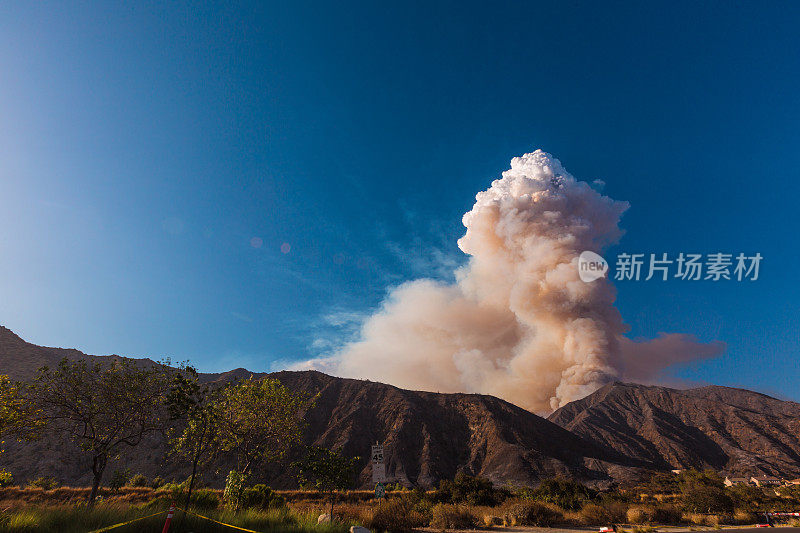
x=218 y=522
x=126 y=523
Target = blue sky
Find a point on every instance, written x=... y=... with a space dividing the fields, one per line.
x=155 y=159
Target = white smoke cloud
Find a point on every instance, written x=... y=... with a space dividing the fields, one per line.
x=518 y=322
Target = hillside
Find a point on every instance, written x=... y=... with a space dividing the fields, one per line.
x=733 y=430
x=427 y=436
x=19 y=359
x=614 y=433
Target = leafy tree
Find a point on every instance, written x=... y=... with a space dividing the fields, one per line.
x=706 y=499
x=326 y=471
x=16 y=412
x=17 y=416
x=663 y=483
x=704 y=492
x=102 y=408
x=748 y=497
x=199 y=441
x=235 y=485
x=706 y=478
x=257 y=421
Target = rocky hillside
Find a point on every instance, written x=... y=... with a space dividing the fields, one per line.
x=733 y=430
x=427 y=436
x=613 y=433
x=19 y=359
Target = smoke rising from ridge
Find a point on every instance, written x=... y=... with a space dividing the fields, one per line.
x=518 y=322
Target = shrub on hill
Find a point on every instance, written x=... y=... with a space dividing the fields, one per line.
x=137 y=480
x=564 y=493
x=529 y=513
x=262 y=497
x=119 y=478
x=399 y=515
x=609 y=513
x=447 y=516
x=44 y=482
x=469 y=490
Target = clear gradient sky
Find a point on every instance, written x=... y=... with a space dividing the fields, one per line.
x=238 y=184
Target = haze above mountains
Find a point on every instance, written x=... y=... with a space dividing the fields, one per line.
x=617 y=433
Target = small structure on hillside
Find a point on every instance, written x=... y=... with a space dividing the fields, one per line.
x=731 y=481
x=765 y=481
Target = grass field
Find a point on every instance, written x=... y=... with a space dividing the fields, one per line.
x=64 y=510
x=66 y=518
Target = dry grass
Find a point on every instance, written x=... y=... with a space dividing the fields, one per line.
x=700 y=519
x=531 y=513
x=594 y=514
x=654 y=514
x=447 y=516
x=640 y=515
x=743 y=516
x=401 y=511
x=397 y=515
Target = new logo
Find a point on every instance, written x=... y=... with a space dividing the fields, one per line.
x=591 y=266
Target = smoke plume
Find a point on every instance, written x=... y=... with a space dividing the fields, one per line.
x=518 y=322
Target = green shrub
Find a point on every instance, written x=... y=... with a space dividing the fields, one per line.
x=706 y=499
x=174 y=489
x=157 y=482
x=204 y=499
x=119 y=478
x=447 y=516
x=469 y=490
x=564 y=493
x=262 y=497
x=137 y=480
x=6 y=479
x=44 y=482
x=201 y=499
x=235 y=484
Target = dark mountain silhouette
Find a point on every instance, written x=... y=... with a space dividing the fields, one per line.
x=733 y=430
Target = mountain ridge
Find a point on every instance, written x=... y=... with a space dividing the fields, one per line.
x=617 y=433
x=427 y=436
x=728 y=429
